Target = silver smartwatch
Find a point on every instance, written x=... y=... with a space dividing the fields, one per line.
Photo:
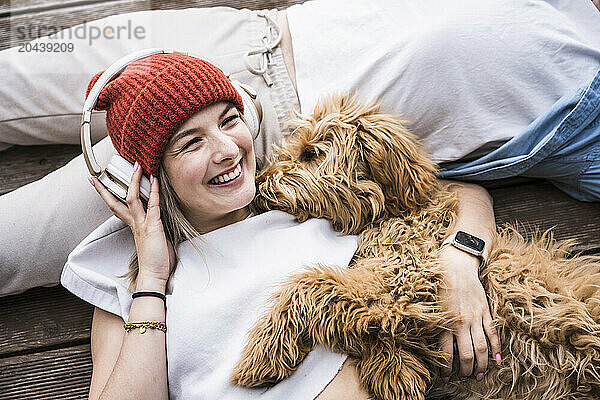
x=469 y=244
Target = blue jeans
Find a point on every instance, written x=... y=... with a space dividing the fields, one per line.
x=562 y=146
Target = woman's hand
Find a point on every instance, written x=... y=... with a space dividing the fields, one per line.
x=464 y=296
x=156 y=256
x=463 y=293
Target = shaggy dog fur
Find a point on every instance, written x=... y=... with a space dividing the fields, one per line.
x=365 y=173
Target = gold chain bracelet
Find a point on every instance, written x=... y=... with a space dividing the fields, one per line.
x=143 y=325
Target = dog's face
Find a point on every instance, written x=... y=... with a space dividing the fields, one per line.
x=347 y=163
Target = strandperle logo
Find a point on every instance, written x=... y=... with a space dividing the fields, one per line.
x=82 y=32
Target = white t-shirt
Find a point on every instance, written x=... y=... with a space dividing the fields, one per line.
x=468 y=74
x=212 y=305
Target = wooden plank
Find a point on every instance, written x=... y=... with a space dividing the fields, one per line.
x=14 y=7
x=20 y=165
x=501 y=183
x=55 y=374
x=42 y=318
x=66 y=17
x=543 y=206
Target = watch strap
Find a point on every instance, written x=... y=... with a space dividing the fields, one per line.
x=483 y=256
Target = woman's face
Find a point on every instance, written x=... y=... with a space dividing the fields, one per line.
x=211 y=166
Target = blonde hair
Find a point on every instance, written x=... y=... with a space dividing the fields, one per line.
x=177 y=227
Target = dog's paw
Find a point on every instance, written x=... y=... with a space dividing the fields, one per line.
x=269 y=356
x=390 y=372
x=265 y=364
x=251 y=374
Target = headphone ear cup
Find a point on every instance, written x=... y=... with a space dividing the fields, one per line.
x=115 y=188
x=120 y=170
x=252 y=107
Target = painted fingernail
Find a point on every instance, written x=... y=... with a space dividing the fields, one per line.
x=151 y=179
x=446 y=379
x=91 y=181
x=498 y=358
x=135 y=166
x=479 y=376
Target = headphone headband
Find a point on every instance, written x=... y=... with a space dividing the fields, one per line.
x=117 y=175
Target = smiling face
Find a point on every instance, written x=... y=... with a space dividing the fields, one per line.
x=211 y=165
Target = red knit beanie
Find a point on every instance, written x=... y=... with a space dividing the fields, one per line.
x=153 y=97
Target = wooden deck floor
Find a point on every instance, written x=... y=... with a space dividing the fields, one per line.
x=45 y=332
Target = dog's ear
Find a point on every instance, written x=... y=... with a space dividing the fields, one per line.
x=395 y=160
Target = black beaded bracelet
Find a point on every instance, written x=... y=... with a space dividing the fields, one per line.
x=153 y=294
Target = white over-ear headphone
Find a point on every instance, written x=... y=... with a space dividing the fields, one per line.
x=117 y=174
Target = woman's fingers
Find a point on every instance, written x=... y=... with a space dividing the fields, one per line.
x=133 y=195
x=465 y=351
x=114 y=204
x=492 y=334
x=132 y=213
x=447 y=347
x=153 y=200
x=480 y=348
x=472 y=348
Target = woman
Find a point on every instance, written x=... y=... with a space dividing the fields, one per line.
x=470 y=75
x=190 y=133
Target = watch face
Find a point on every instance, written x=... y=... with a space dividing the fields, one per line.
x=469 y=241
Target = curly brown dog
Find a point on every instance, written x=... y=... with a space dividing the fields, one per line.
x=364 y=172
